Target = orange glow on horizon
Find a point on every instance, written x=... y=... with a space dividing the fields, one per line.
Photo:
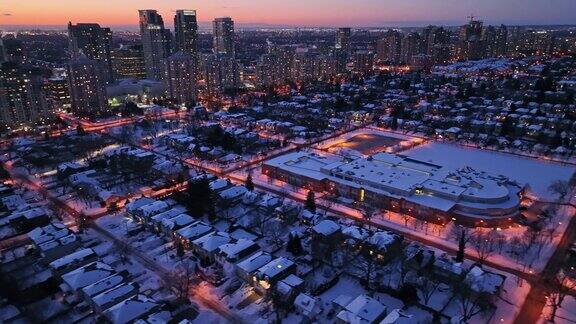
x=330 y=13
x=296 y=12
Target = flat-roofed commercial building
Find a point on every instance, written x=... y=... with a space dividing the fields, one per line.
x=423 y=190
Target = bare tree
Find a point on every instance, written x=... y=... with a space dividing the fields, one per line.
x=127 y=134
x=328 y=204
x=259 y=220
x=484 y=244
x=183 y=277
x=403 y=268
x=427 y=286
x=406 y=218
x=471 y=302
x=366 y=268
x=121 y=251
x=368 y=214
x=560 y=187
x=560 y=286
x=83 y=192
x=274 y=230
x=224 y=207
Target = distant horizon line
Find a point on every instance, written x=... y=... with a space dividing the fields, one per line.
x=415 y=24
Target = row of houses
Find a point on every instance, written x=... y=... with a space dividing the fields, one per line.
x=19 y=215
x=86 y=281
x=328 y=237
x=237 y=248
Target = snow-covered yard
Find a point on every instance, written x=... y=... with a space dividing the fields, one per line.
x=539 y=174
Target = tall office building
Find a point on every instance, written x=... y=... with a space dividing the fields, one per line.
x=363 y=62
x=223 y=36
x=87 y=90
x=501 y=41
x=433 y=36
x=327 y=66
x=388 y=48
x=58 y=92
x=156 y=42
x=220 y=73
x=93 y=41
x=514 y=40
x=436 y=46
x=181 y=77
x=22 y=98
x=304 y=65
x=472 y=45
x=543 y=42
x=186 y=32
x=128 y=62
x=13 y=49
x=274 y=67
x=2 y=51
x=343 y=39
x=411 y=45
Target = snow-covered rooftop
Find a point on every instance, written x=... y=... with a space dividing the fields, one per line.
x=254 y=262
x=326 y=227
x=414 y=180
x=275 y=267
x=87 y=275
x=131 y=309
x=362 y=309
x=195 y=230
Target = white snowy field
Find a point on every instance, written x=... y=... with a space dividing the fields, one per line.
x=539 y=174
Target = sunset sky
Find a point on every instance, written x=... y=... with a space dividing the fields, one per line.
x=294 y=12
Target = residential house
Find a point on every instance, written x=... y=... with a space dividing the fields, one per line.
x=113 y=296
x=447 y=270
x=98 y=287
x=207 y=246
x=308 y=307
x=383 y=245
x=326 y=236
x=236 y=251
x=171 y=226
x=271 y=273
x=72 y=261
x=362 y=309
x=484 y=282
x=247 y=268
x=192 y=232
x=131 y=309
x=75 y=280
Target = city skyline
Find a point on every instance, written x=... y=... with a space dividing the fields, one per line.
x=364 y=13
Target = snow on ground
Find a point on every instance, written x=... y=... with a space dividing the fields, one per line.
x=534 y=261
x=207 y=316
x=521 y=169
x=345 y=286
x=512 y=296
x=363 y=131
x=566 y=313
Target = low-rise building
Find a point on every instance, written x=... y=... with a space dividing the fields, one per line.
x=271 y=273
x=131 y=309
x=431 y=192
x=247 y=268
x=192 y=232
x=73 y=261
x=362 y=309
x=236 y=251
